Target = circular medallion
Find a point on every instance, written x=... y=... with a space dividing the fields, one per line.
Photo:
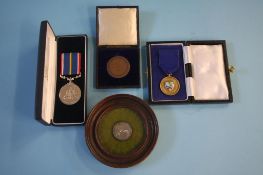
x=118 y=67
x=110 y=133
x=122 y=130
x=69 y=94
x=170 y=85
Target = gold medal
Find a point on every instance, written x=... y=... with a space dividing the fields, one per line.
x=169 y=85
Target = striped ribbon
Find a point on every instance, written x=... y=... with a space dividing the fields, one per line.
x=70 y=63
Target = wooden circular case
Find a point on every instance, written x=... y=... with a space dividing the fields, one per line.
x=149 y=122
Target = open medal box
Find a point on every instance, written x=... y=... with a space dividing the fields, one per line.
x=188 y=72
x=61 y=78
x=118 y=51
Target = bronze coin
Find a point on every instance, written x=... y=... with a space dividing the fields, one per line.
x=118 y=67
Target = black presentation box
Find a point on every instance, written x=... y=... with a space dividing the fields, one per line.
x=61 y=58
x=117 y=36
x=200 y=69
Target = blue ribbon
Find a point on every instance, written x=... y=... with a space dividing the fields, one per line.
x=169 y=59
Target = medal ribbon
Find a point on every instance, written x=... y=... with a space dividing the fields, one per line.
x=70 y=63
x=169 y=59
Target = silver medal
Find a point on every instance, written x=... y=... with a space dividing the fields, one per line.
x=70 y=93
x=122 y=131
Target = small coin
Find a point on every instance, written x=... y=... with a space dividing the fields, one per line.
x=118 y=67
x=122 y=131
x=70 y=94
x=169 y=85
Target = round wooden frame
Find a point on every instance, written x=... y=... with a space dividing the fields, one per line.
x=150 y=124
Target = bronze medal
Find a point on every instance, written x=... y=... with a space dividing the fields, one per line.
x=69 y=94
x=169 y=85
x=118 y=67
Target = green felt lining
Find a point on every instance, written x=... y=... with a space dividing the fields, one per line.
x=105 y=135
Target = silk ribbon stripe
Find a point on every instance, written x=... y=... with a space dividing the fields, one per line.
x=62 y=64
x=79 y=63
x=70 y=63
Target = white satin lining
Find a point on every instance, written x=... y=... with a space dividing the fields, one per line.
x=117 y=26
x=209 y=79
x=49 y=82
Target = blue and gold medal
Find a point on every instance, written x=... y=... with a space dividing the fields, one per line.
x=169 y=64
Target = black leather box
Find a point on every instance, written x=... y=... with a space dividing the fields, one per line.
x=118 y=36
x=51 y=105
x=200 y=70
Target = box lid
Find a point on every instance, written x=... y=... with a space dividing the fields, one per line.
x=46 y=50
x=117 y=25
x=211 y=79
